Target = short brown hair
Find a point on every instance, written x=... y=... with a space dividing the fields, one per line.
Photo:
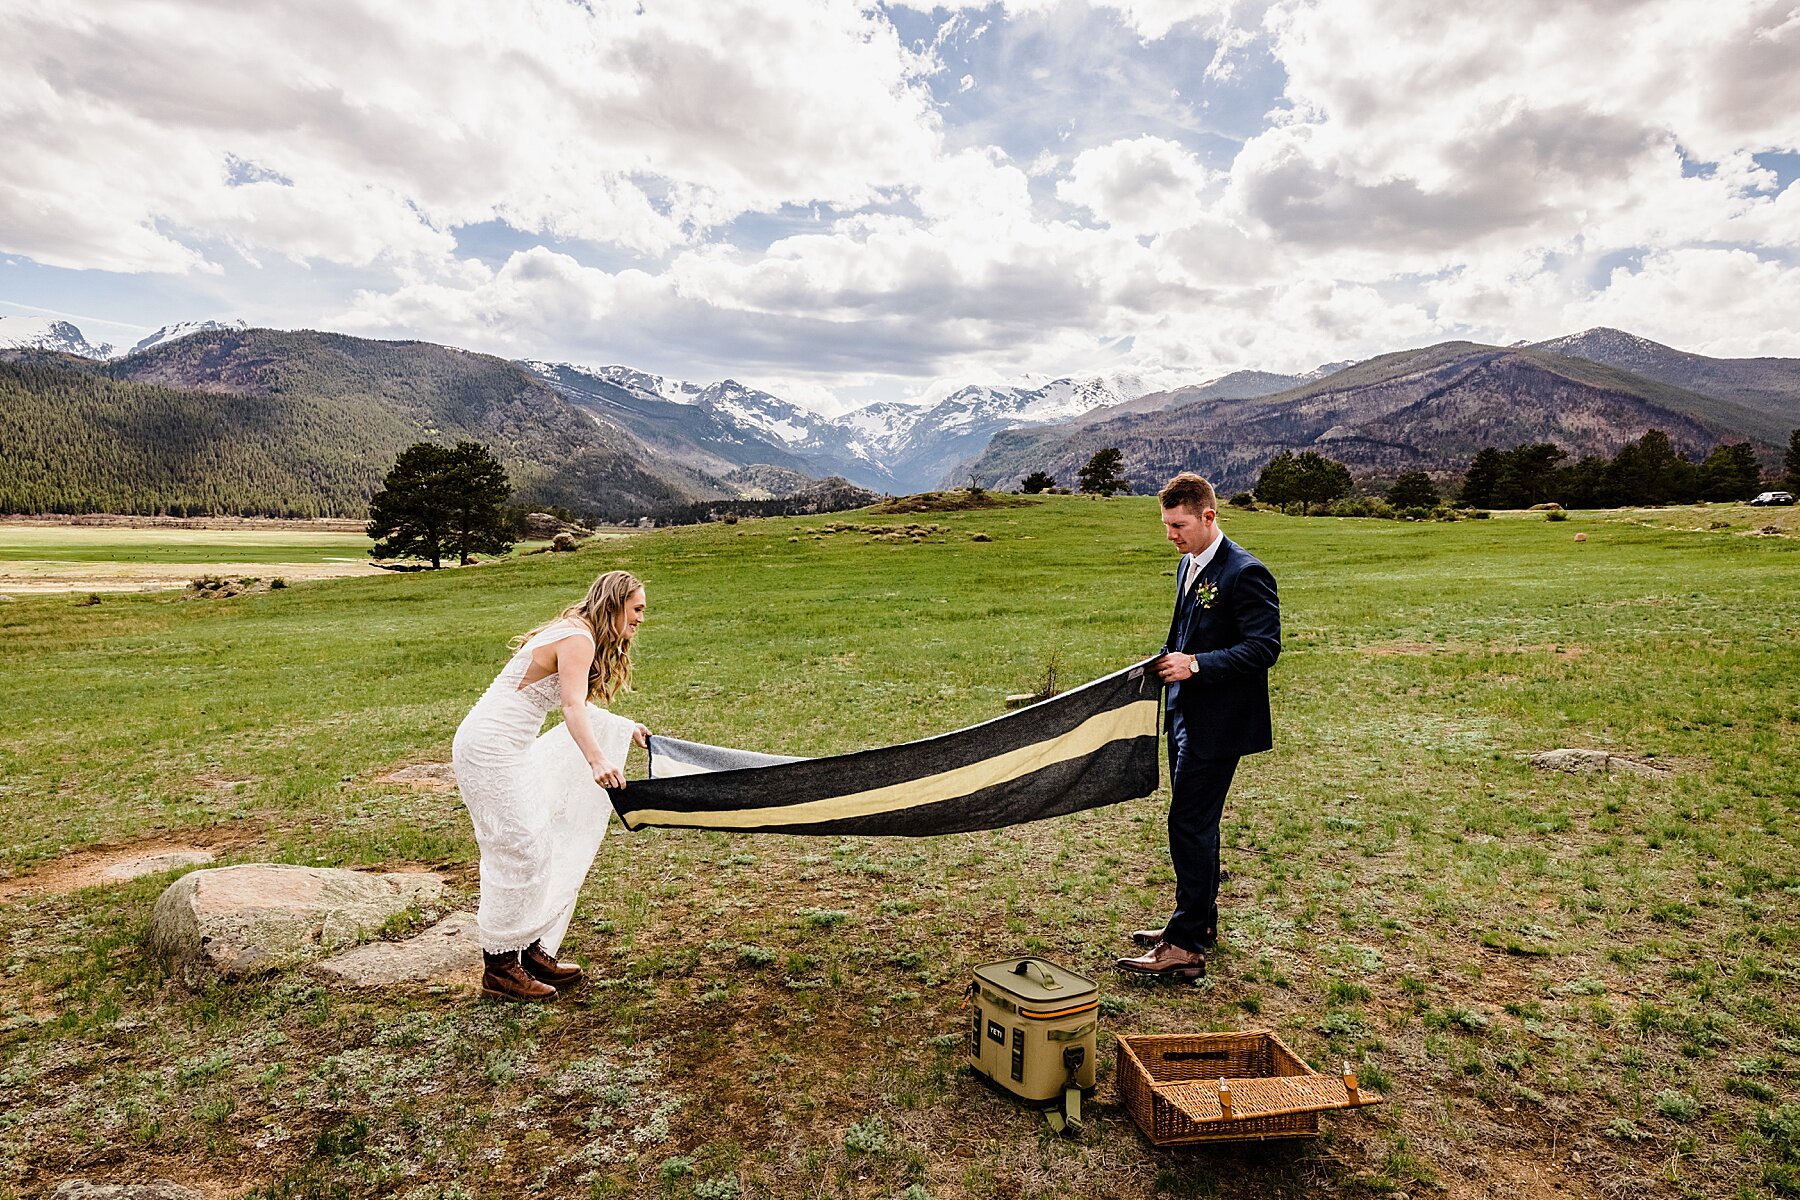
x=1190 y=491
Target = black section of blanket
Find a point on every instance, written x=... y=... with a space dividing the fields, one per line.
x=1123 y=769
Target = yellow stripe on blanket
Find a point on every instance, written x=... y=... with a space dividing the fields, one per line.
x=1137 y=719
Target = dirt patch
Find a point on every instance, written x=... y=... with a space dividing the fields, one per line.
x=426 y=777
x=38 y=577
x=101 y=865
x=1504 y=1172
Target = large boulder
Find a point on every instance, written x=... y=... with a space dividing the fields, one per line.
x=258 y=917
x=542 y=527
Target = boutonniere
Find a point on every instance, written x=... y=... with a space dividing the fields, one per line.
x=1206 y=591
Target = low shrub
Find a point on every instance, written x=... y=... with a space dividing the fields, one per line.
x=1359 y=506
x=1242 y=500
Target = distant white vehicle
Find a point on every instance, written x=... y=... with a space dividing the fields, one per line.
x=1768 y=498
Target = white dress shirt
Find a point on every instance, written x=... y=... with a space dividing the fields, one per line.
x=1196 y=563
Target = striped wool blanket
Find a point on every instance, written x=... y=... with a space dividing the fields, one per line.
x=1092 y=746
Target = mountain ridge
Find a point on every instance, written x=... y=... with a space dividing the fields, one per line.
x=1426 y=408
x=614 y=440
x=301 y=423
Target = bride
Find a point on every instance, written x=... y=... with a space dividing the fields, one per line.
x=537 y=804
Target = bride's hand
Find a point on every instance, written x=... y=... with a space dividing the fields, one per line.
x=641 y=735
x=607 y=775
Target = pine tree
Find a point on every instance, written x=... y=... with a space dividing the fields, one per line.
x=1651 y=471
x=1527 y=475
x=1319 y=480
x=1104 y=473
x=1275 y=485
x=1413 y=489
x=1730 y=472
x=436 y=500
x=1479 y=480
x=1037 y=481
x=1791 y=463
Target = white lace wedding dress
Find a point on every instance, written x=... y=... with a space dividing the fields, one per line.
x=539 y=816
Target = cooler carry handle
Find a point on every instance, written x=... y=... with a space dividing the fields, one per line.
x=1049 y=981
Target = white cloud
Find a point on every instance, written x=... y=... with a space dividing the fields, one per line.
x=1143 y=185
x=1708 y=301
x=396 y=123
x=1430 y=170
x=1432 y=131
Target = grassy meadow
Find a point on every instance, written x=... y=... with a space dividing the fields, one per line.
x=1573 y=984
x=38 y=556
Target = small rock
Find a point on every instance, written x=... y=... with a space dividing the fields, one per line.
x=1022 y=699
x=1581 y=537
x=1770 y=529
x=259 y=917
x=448 y=952
x=1575 y=762
x=1595 y=762
x=81 y=1189
x=151 y=864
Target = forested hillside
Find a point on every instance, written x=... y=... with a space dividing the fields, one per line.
x=263 y=422
x=1428 y=409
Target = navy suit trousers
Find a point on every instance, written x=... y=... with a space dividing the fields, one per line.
x=1198 y=787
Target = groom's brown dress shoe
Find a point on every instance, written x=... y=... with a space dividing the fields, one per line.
x=504 y=978
x=1166 y=961
x=540 y=966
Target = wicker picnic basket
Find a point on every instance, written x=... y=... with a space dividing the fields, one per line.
x=1184 y=1089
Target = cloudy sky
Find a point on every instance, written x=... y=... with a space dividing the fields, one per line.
x=844 y=203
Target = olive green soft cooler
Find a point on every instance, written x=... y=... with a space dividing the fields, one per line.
x=1033 y=1031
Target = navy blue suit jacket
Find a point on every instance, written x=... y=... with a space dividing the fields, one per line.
x=1236 y=638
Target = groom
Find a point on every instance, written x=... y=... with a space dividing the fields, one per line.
x=1224 y=637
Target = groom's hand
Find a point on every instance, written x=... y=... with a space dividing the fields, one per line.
x=1175 y=668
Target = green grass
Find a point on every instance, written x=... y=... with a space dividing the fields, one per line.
x=1530 y=965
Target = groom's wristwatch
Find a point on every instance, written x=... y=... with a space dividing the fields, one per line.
x=1193 y=665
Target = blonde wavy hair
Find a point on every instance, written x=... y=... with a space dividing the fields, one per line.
x=599 y=610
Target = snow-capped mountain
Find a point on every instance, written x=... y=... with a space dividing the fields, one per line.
x=638 y=383
x=957 y=428
x=887 y=445
x=48 y=333
x=1614 y=347
x=1770 y=386
x=173 y=333
x=719 y=427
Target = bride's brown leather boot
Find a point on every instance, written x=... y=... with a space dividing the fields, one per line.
x=505 y=978
x=540 y=966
